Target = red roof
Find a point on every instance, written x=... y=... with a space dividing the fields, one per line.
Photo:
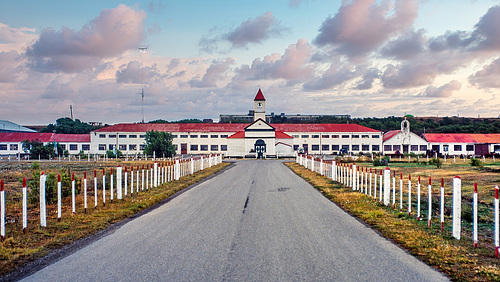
x=282 y=135
x=259 y=96
x=277 y=135
x=232 y=127
x=43 y=137
x=390 y=134
x=462 y=138
x=237 y=135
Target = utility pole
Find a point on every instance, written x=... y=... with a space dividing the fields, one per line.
x=71 y=111
x=142 y=50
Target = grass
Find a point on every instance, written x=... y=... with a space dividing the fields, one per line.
x=457 y=259
x=19 y=248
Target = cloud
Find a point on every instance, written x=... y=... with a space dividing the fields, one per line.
x=408 y=75
x=361 y=26
x=133 y=72
x=487 y=30
x=443 y=91
x=108 y=35
x=488 y=77
x=214 y=73
x=9 y=66
x=254 y=31
x=335 y=75
x=368 y=79
x=406 y=46
x=15 y=38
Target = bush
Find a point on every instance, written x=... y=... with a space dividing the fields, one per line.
x=381 y=161
x=476 y=162
x=436 y=161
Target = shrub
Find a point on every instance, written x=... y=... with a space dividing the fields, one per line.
x=436 y=161
x=476 y=162
x=381 y=161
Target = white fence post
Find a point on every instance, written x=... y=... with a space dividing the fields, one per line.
x=192 y=165
x=147 y=177
x=59 y=212
x=25 y=205
x=142 y=179
x=429 y=215
x=418 y=199
x=119 y=179
x=112 y=186
x=474 y=216
x=137 y=180
x=85 y=191
x=387 y=186
x=177 y=170
x=125 y=186
x=375 y=184
x=103 y=186
x=409 y=194
x=401 y=192
x=442 y=205
x=353 y=177
x=457 y=206
x=496 y=222
x=156 y=174
x=381 y=186
x=43 y=208
x=95 y=188
x=394 y=190
x=73 y=204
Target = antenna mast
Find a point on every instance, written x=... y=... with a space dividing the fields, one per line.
x=71 y=111
x=142 y=50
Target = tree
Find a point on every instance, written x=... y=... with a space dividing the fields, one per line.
x=69 y=126
x=37 y=149
x=159 y=143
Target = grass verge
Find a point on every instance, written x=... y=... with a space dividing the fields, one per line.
x=18 y=248
x=457 y=259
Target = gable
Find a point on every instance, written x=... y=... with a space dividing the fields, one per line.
x=259 y=125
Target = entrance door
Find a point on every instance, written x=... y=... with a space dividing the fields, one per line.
x=306 y=148
x=260 y=148
x=184 y=148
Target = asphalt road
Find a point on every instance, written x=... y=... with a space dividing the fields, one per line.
x=256 y=221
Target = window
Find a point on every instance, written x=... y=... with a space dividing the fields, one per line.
x=305 y=136
x=365 y=148
x=445 y=148
x=375 y=136
x=315 y=147
x=194 y=147
x=223 y=136
x=102 y=135
x=102 y=147
x=335 y=147
x=345 y=147
x=204 y=136
x=315 y=136
x=203 y=147
x=73 y=147
x=325 y=147
x=214 y=147
x=86 y=147
x=335 y=136
x=13 y=147
x=122 y=147
x=184 y=136
x=144 y=136
x=63 y=146
x=112 y=136
x=469 y=147
x=143 y=146
x=223 y=147
x=111 y=146
x=423 y=148
x=132 y=136
x=122 y=136
x=396 y=148
x=387 y=148
x=295 y=147
x=173 y=136
x=194 y=136
x=414 y=148
x=365 y=136
x=214 y=136
x=325 y=136
x=345 y=136
x=355 y=136
x=3 y=147
x=355 y=147
x=375 y=148
x=132 y=147
x=457 y=147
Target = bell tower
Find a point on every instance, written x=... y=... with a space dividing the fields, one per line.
x=259 y=106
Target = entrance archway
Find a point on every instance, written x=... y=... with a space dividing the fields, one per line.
x=260 y=148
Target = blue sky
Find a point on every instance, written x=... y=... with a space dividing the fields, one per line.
x=365 y=58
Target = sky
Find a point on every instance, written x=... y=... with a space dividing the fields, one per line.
x=199 y=59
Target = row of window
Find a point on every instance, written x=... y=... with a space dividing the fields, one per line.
x=205 y=147
x=122 y=147
x=458 y=148
x=72 y=147
x=413 y=148
x=364 y=148
x=345 y=136
x=202 y=136
x=121 y=136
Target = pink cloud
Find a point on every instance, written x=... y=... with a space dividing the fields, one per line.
x=443 y=91
x=361 y=26
x=214 y=73
x=488 y=77
x=109 y=34
x=254 y=30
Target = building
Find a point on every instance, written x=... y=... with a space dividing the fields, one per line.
x=463 y=143
x=404 y=141
x=12 y=143
x=258 y=138
x=7 y=126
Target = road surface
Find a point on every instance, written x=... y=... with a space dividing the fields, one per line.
x=255 y=221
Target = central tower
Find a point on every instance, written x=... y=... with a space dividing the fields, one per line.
x=259 y=106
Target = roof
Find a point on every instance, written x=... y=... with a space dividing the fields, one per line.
x=43 y=137
x=233 y=127
x=7 y=126
x=277 y=135
x=462 y=138
x=282 y=135
x=259 y=96
x=390 y=134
